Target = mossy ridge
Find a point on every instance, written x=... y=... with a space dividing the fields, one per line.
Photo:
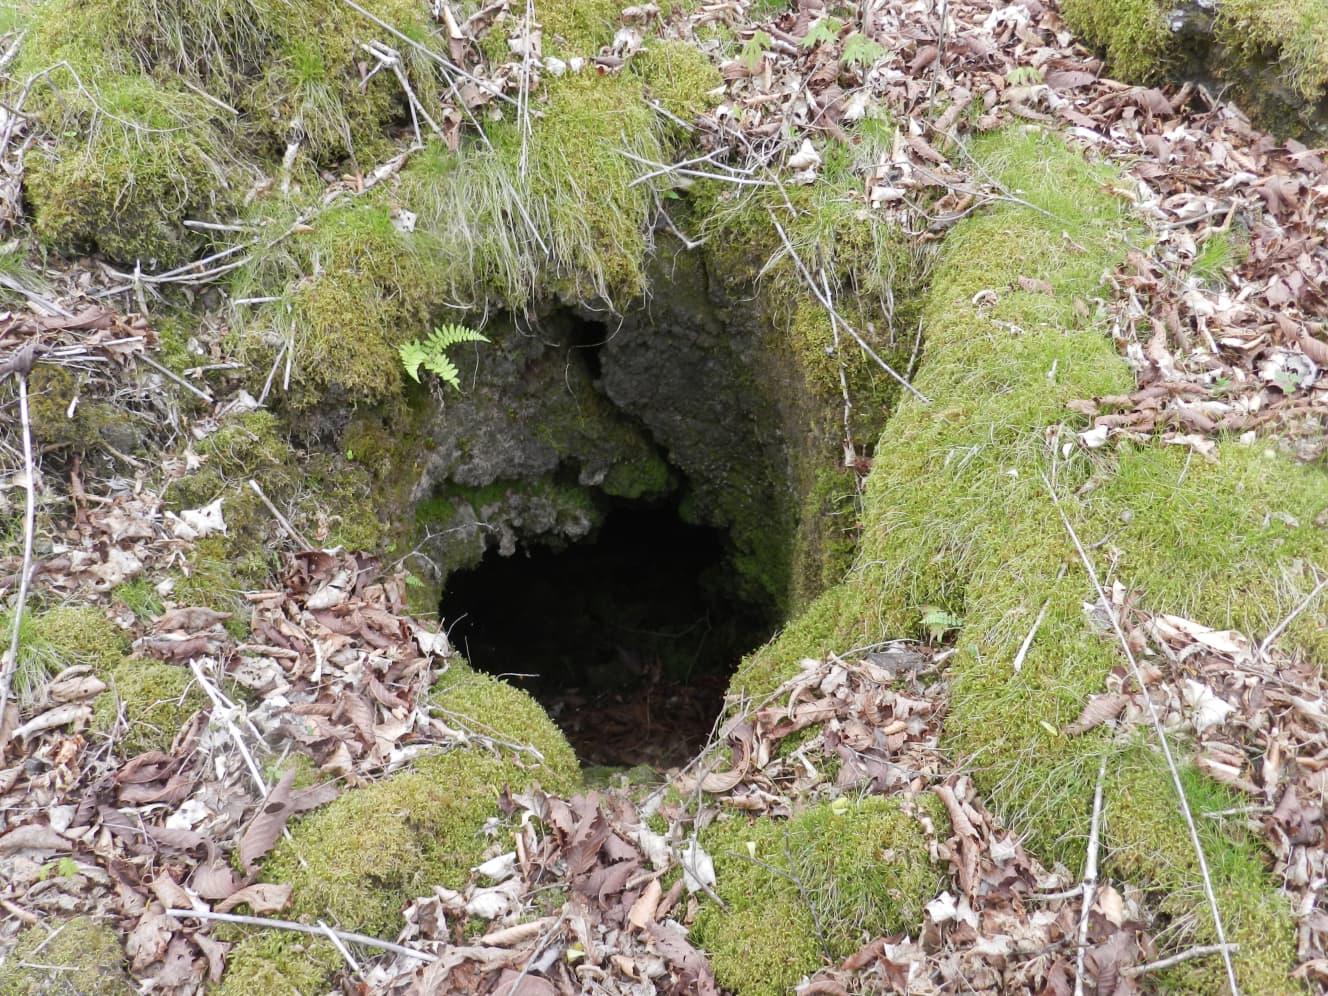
x=1134 y=34
x=814 y=887
x=357 y=861
x=1295 y=30
x=957 y=517
x=1266 y=50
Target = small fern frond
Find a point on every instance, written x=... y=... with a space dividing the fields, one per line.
x=431 y=354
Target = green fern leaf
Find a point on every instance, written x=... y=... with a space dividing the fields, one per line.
x=431 y=354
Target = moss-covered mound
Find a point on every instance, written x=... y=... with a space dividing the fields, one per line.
x=959 y=516
x=155 y=701
x=357 y=861
x=812 y=889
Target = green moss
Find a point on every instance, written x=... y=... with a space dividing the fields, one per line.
x=156 y=698
x=55 y=392
x=77 y=956
x=357 y=861
x=811 y=888
x=323 y=495
x=138 y=110
x=278 y=963
x=956 y=516
x=53 y=640
x=575 y=188
x=679 y=76
x=126 y=169
x=1143 y=815
x=1296 y=31
x=648 y=476
x=578 y=27
x=488 y=706
x=1133 y=33
x=61 y=637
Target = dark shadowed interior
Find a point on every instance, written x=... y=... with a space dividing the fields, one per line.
x=627 y=638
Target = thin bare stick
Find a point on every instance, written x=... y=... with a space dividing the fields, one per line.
x=1280 y=628
x=447 y=64
x=1202 y=951
x=209 y=98
x=172 y=375
x=662 y=169
x=10 y=664
x=1089 y=885
x=1037 y=623
x=291 y=531
x=304 y=928
x=829 y=306
x=342 y=950
x=222 y=711
x=1156 y=722
x=850 y=454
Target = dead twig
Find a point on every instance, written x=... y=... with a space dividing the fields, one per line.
x=1202 y=951
x=1156 y=721
x=282 y=521
x=1089 y=884
x=1037 y=624
x=319 y=931
x=10 y=663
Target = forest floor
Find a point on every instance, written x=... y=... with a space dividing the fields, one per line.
x=1219 y=312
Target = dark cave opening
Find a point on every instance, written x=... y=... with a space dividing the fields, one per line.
x=627 y=638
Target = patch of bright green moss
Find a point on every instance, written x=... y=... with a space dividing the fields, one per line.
x=578 y=27
x=1134 y=34
x=62 y=637
x=156 y=698
x=812 y=888
x=358 y=860
x=491 y=707
x=77 y=956
x=679 y=76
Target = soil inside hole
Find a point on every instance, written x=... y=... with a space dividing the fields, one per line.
x=628 y=638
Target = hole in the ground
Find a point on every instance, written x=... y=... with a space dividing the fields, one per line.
x=627 y=638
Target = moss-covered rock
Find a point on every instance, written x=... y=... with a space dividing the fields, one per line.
x=67 y=419
x=77 y=956
x=811 y=889
x=359 y=859
x=156 y=700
